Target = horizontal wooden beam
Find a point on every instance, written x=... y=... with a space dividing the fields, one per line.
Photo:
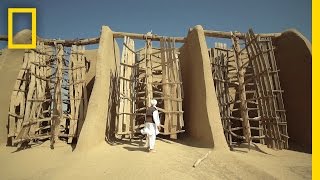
x=95 y=40
x=3 y=38
x=153 y=37
x=69 y=42
x=221 y=34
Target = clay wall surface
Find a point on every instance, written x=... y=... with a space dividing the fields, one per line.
x=10 y=65
x=201 y=111
x=94 y=128
x=91 y=57
x=294 y=59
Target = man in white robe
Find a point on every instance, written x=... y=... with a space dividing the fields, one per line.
x=152 y=125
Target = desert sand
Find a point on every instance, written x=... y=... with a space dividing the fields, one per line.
x=173 y=160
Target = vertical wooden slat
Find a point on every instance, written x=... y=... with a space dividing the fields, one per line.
x=126 y=90
x=179 y=89
x=84 y=86
x=173 y=87
x=121 y=100
x=165 y=86
x=57 y=103
x=149 y=81
x=72 y=95
x=131 y=86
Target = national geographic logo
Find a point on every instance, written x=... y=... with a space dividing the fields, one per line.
x=33 y=12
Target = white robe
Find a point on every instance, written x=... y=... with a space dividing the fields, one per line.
x=151 y=130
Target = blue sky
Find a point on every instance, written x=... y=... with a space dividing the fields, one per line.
x=68 y=19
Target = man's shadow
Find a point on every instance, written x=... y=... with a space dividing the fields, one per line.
x=135 y=145
x=139 y=148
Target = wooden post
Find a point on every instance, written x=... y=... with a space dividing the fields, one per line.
x=72 y=114
x=173 y=93
x=165 y=85
x=149 y=91
x=179 y=89
x=84 y=86
x=131 y=60
x=57 y=108
x=121 y=115
x=126 y=90
x=242 y=91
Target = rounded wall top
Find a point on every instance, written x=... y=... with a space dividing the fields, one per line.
x=23 y=37
x=197 y=27
x=294 y=32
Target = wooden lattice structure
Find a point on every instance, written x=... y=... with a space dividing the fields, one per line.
x=30 y=104
x=155 y=74
x=77 y=100
x=125 y=123
x=270 y=101
x=49 y=96
x=50 y=100
x=248 y=90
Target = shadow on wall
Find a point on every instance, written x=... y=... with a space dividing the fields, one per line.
x=113 y=97
x=88 y=90
x=195 y=114
x=294 y=59
x=112 y=108
x=89 y=87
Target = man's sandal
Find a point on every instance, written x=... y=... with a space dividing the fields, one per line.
x=152 y=151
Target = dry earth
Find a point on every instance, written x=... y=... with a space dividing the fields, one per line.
x=173 y=160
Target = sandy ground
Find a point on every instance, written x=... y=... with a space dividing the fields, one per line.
x=172 y=161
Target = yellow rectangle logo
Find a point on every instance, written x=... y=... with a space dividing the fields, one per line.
x=33 y=12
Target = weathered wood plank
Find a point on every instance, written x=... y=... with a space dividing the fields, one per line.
x=165 y=88
x=57 y=103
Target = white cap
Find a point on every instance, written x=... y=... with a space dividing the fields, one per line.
x=153 y=102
